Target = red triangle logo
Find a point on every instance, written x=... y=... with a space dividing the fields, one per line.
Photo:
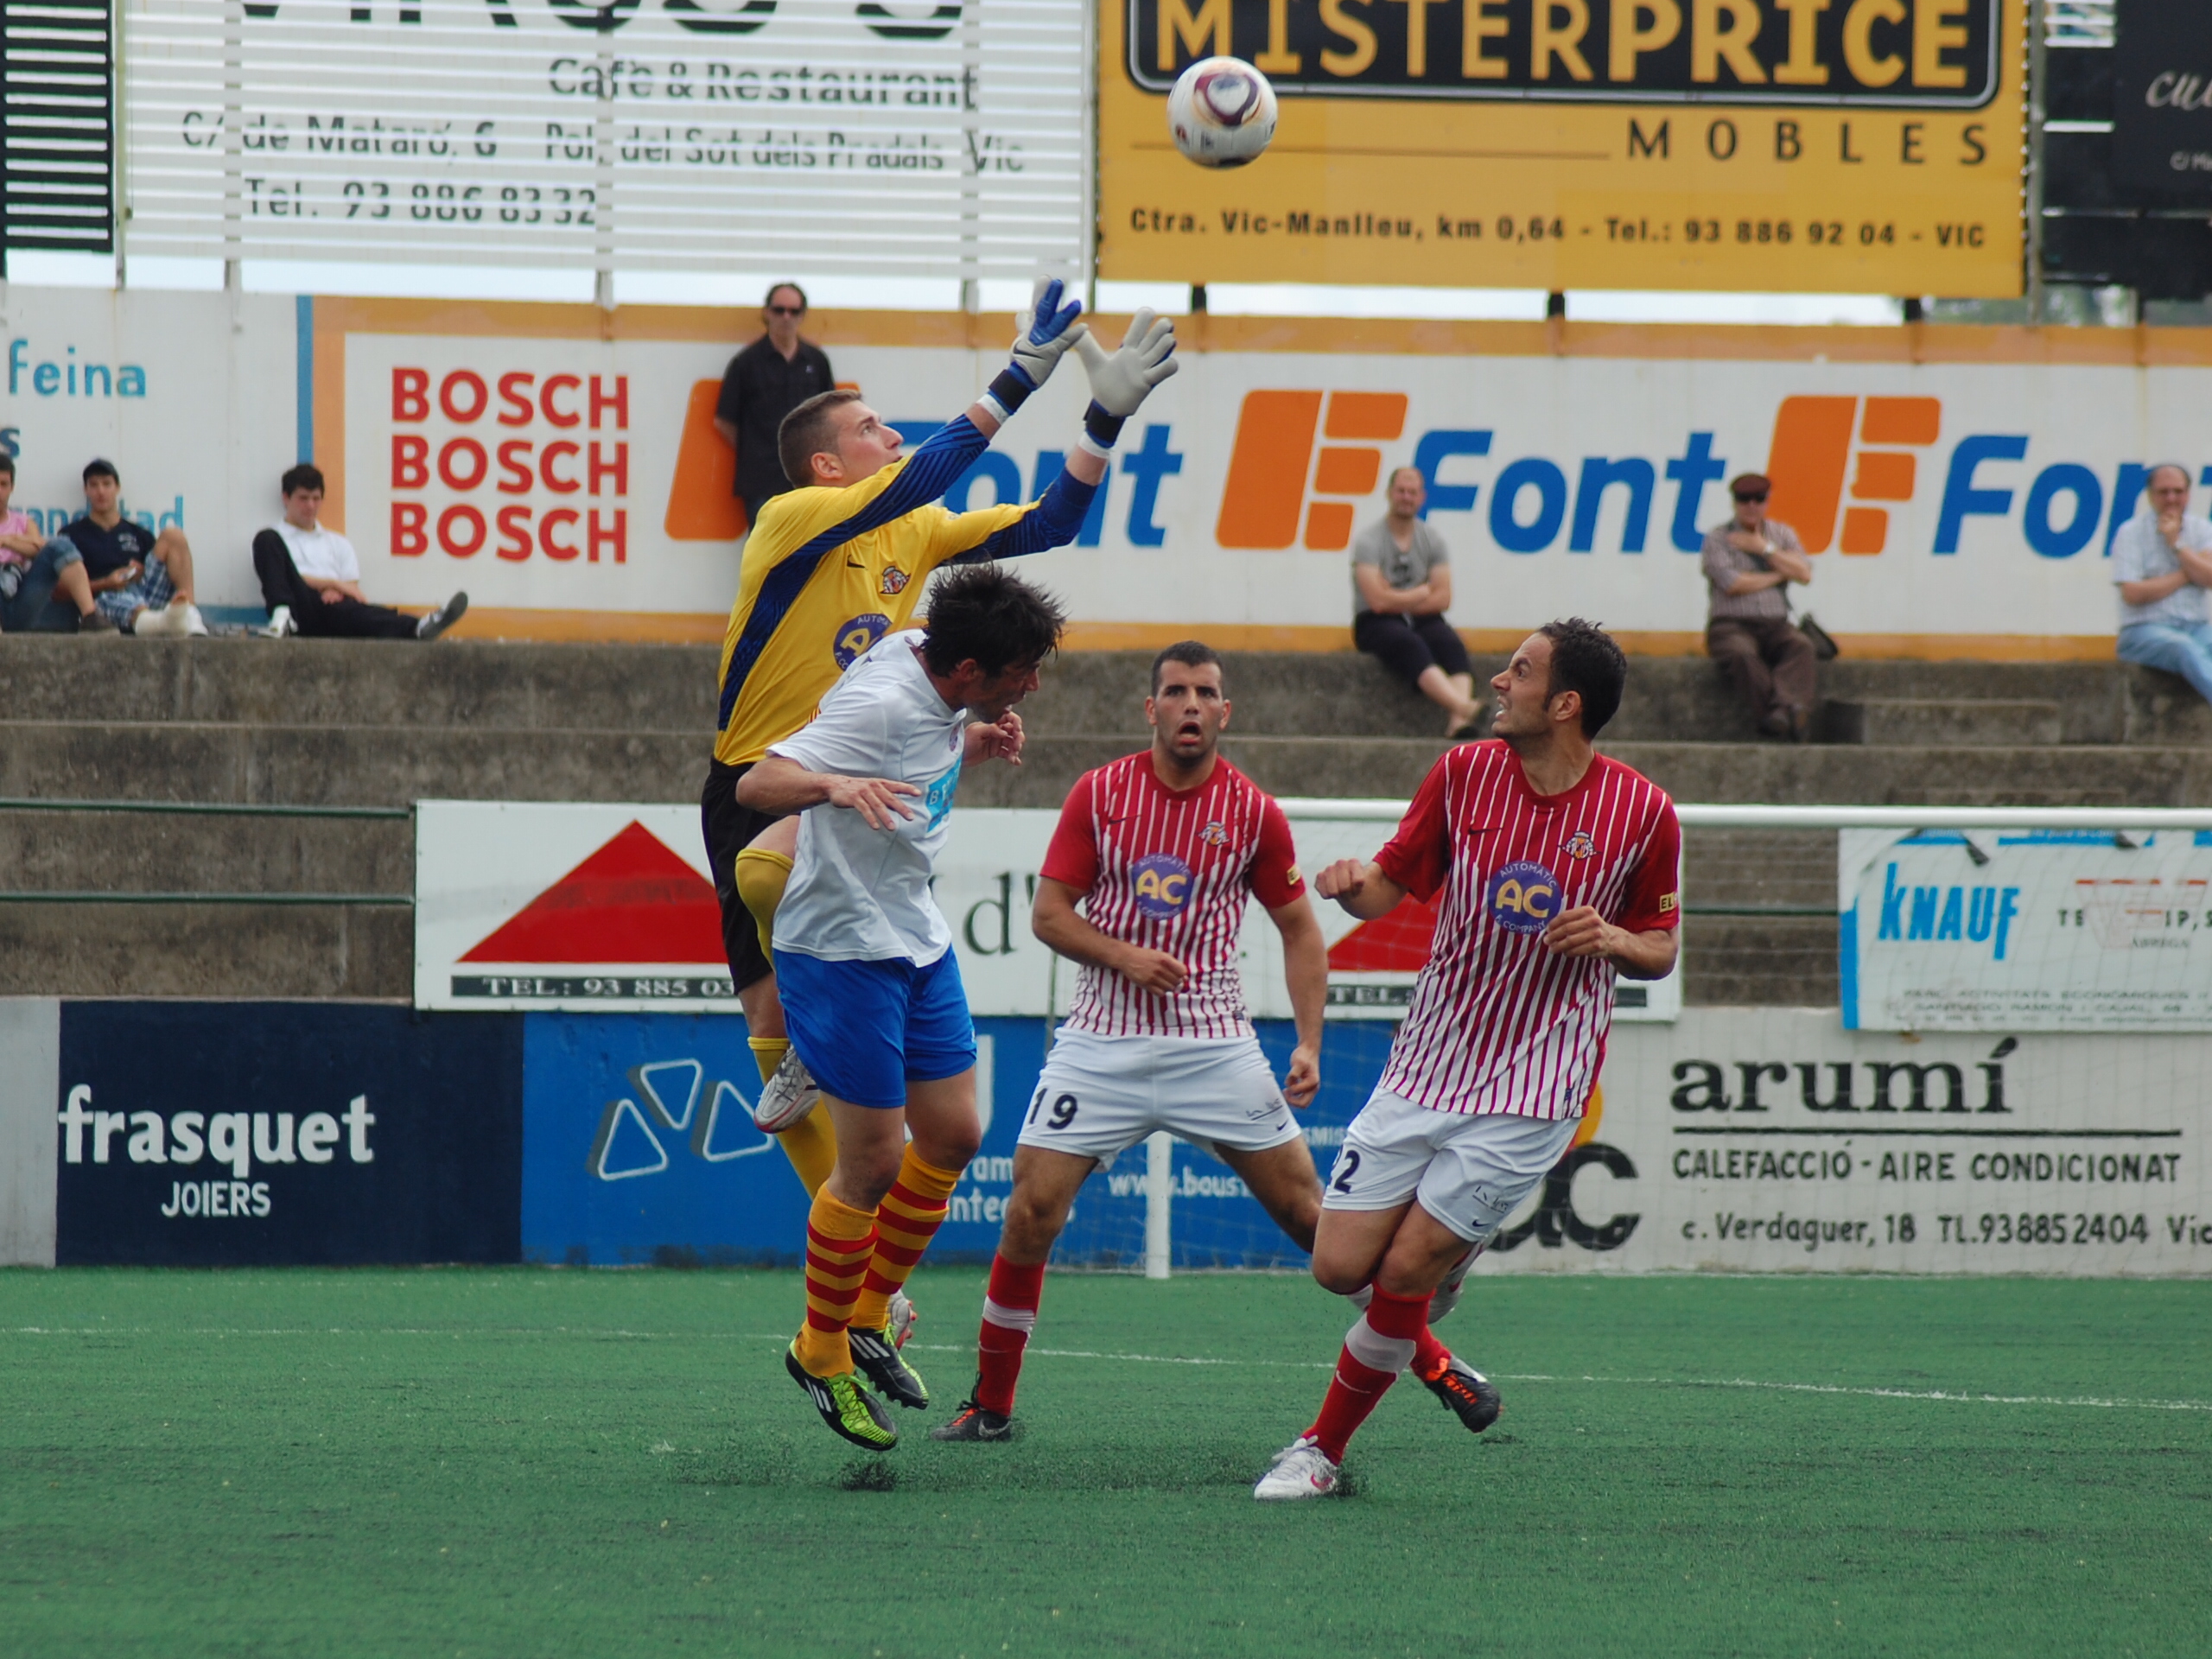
x=1397 y=943
x=633 y=901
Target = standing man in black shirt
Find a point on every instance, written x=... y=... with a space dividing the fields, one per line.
x=764 y=383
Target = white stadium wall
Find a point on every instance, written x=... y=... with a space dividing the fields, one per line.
x=1960 y=485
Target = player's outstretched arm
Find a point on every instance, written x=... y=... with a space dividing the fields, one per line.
x=1360 y=887
x=1305 y=972
x=779 y=784
x=1583 y=932
x=1053 y=919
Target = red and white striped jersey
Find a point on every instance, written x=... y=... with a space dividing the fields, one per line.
x=1498 y=1023
x=1170 y=871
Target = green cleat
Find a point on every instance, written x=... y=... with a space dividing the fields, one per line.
x=848 y=1409
x=876 y=1352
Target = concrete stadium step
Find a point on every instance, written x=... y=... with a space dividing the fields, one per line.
x=1917 y=722
x=481 y=685
x=349 y=951
x=160 y=852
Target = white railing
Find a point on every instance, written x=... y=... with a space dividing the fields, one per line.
x=1708 y=815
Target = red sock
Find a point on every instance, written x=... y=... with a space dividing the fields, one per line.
x=1430 y=1356
x=1009 y=1315
x=1374 y=1351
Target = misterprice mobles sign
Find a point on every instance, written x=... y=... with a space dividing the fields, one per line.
x=1830 y=144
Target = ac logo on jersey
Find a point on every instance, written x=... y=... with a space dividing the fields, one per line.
x=1578 y=845
x=895 y=581
x=856 y=635
x=1523 y=898
x=1161 y=884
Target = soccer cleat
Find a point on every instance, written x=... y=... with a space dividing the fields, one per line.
x=1301 y=1469
x=848 y=1409
x=787 y=1097
x=878 y=1356
x=903 y=1318
x=1467 y=1392
x=974 y=1422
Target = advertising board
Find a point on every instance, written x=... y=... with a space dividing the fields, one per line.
x=1959 y=487
x=1731 y=144
x=2015 y=931
x=592 y=907
x=797 y=136
x=237 y=1134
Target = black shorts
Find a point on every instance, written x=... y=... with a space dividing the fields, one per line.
x=1410 y=645
x=730 y=828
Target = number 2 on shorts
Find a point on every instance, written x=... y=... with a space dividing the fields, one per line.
x=1347 y=1167
x=1063 y=1113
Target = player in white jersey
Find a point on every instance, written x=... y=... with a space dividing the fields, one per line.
x=870 y=987
x=1162 y=849
x=1557 y=871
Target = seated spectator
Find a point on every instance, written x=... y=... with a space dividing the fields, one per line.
x=1402 y=585
x=141 y=582
x=1750 y=562
x=2162 y=562
x=311 y=578
x=33 y=570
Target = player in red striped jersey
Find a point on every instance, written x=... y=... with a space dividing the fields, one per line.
x=1162 y=849
x=1558 y=871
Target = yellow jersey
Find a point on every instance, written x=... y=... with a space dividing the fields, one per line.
x=829 y=572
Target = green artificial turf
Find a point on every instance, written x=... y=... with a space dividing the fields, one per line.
x=533 y=1462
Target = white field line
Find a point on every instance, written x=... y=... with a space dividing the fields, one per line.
x=1945 y=1396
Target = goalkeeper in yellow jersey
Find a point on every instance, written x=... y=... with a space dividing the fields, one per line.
x=835 y=564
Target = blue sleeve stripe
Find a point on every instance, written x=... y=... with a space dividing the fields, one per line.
x=928 y=473
x=1053 y=522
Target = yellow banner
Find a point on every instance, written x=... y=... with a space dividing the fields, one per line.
x=1822 y=146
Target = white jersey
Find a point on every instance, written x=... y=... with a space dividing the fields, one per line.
x=323 y=554
x=857 y=893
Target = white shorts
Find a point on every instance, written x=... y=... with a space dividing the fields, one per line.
x=1470 y=1172
x=1098 y=1096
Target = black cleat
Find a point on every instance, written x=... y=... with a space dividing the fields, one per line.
x=1471 y=1395
x=974 y=1422
x=879 y=1360
x=849 y=1409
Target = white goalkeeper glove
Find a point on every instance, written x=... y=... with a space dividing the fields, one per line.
x=1043 y=334
x=1122 y=380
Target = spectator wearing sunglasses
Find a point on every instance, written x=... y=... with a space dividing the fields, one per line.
x=764 y=383
x=1749 y=563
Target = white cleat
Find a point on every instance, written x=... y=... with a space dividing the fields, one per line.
x=787 y=1097
x=903 y=1316
x=1301 y=1469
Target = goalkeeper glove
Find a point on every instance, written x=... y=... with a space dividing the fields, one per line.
x=1043 y=334
x=1122 y=380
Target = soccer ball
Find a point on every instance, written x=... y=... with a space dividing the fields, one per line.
x=1222 y=112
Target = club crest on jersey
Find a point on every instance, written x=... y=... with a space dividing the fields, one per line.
x=1215 y=834
x=1578 y=845
x=1161 y=883
x=895 y=581
x=1524 y=896
x=855 y=635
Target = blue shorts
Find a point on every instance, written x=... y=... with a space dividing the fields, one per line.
x=867 y=1029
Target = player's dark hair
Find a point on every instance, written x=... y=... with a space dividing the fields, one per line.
x=1192 y=653
x=807 y=432
x=305 y=476
x=7 y=463
x=97 y=468
x=1584 y=659
x=981 y=613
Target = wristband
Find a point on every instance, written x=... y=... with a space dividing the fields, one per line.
x=1101 y=430
x=1008 y=391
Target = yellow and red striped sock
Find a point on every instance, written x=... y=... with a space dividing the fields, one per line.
x=911 y=1213
x=839 y=1241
